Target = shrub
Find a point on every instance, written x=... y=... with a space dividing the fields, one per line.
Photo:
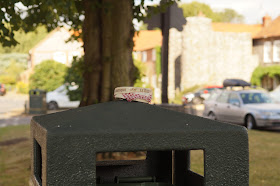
x=8 y=79
x=74 y=76
x=13 y=59
x=22 y=87
x=139 y=73
x=48 y=75
x=262 y=71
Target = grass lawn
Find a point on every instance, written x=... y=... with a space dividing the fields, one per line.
x=15 y=152
x=15 y=157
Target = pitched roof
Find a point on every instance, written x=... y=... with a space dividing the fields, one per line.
x=271 y=30
x=55 y=41
x=147 y=39
x=231 y=27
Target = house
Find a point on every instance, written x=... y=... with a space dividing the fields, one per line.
x=145 y=50
x=55 y=47
x=266 y=45
x=203 y=53
x=253 y=29
x=206 y=53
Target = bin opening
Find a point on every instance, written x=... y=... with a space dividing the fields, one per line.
x=166 y=168
x=197 y=161
x=112 y=156
x=38 y=162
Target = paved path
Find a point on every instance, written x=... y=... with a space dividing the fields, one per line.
x=15 y=120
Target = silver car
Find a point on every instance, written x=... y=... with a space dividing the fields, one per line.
x=252 y=108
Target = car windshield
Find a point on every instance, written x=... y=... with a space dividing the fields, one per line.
x=255 y=97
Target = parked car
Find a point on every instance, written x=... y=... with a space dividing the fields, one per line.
x=59 y=99
x=199 y=95
x=2 y=89
x=252 y=108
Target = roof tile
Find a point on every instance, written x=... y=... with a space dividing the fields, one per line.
x=231 y=27
x=271 y=30
x=147 y=39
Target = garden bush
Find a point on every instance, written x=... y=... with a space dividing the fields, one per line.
x=22 y=87
x=48 y=75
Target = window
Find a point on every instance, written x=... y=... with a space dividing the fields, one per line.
x=276 y=51
x=223 y=98
x=267 y=51
x=257 y=97
x=60 y=57
x=144 y=56
x=233 y=99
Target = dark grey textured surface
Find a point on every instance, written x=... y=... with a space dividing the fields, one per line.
x=37 y=102
x=71 y=139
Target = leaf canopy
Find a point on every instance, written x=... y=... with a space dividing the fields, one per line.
x=29 y=14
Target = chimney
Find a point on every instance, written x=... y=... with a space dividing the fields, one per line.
x=266 y=20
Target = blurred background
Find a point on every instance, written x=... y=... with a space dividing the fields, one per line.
x=60 y=55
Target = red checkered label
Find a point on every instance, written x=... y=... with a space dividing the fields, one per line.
x=131 y=96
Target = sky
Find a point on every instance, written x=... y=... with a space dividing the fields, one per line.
x=252 y=10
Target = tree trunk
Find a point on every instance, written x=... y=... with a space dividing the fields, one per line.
x=106 y=92
x=122 y=43
x=92 y=41
x=107 y=36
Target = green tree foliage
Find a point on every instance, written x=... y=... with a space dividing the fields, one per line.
x=262 y=71
x=194 y=8
x=158 y=60
x=26 y=41
x=11 y=66
x=230 y=15
x=48 y=75
x=74 y=76
x=139 y=73
x=6 y=59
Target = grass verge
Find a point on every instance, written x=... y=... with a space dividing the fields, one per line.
x=15 y=157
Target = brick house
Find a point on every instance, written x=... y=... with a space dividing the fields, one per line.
x=145 y=43
x=266 y=44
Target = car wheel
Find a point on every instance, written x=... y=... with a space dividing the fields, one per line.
x=52 y=105
x=212 y=116
x=250 y=122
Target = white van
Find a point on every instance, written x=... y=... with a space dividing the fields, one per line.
x=59 y=99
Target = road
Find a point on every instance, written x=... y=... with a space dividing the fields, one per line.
x=12 y=109
x=12 y=101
